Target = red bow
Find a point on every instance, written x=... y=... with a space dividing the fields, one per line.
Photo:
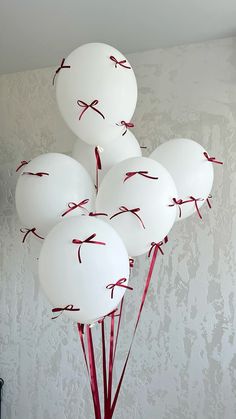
x=70 y=307
x=158 y=246
x=59 y=69
x=195 y=200
x=133 y=211
x=86 y=107
x=179 y=202
x=121 y=63
x=88 y=241
x=126 y=125
x=72 y=206
x=208 y=202
x=95 y=214
x=141 y=172
x=26 y=231
x=131 y=262
x=119 y=283
x=212 y=159
x=22 y=163
x=40 y=174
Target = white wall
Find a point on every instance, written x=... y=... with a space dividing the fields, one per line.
x=184 y=358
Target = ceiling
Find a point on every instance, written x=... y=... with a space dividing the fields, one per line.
x=36 y=34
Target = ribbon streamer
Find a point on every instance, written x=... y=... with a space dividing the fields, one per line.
x=39 y=174
x=22 y=163
x=93 y=374
x=121 y=63
x=212 y=159
x=72 y=206
x=86 y=106
x=126 y=125
x=119 y=283
x=133 y=211
x=208 y=201
x=26 y=231
x=60 y=310
x=98 y=165
x=143 y=173
x=59 y=69
x=86 y=241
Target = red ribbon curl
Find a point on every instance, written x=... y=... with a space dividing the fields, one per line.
x=39 y=174
x=119 y=283
x=26 y=231
x=59 y=69
x=126 y=125
x=60 y=310
x=72 y=206
x=86 y=106
x=121 y=63
x=87 y=241
x=134 y=211
x=22 y=163
x=212 y=159
x=143 y=173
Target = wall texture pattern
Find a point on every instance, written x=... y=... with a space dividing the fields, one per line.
x=183 y=364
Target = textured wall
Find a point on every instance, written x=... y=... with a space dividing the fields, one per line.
x=184 y=357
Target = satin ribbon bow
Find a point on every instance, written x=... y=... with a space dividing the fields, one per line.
x=86 y=241
x=119 y=283
x=26 y=231
x=212 y=159
x=121 y=63
x=59 y=69
x=126 y=125
x=95 y=214
x=195 y=200
x=60 y=310
x=179 y=202
x=158 y=246
x=134 y=211
x=39 y=174
x=22 y=163
x=86 y=106
x=143 y=173
x=72 y=206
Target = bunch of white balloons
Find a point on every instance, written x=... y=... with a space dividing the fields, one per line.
x=90 y=232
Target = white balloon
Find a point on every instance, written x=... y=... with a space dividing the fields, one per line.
x=192 y=172
x=42 y=200
x=93 y=76
x=122 y=148
x=150 y=196
x=86 y=283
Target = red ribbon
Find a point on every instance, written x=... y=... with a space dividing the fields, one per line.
x=157 y=246
x=26 y=231
x=98 y=164
x=132 y=211
x=143 y=173
x=39 y=174
x=72 y=206
x=95 y=214
x=88 y=241
x=208 y=200
x=212 y=159
x=126 y=125
x=179 y=202
x=59 y=69
x=121 y=63
x=131 y=262
x=119 y=283
x=22 y=163
x=93 y=374
x=60 y=310
x=195 y=200
x=84 y=105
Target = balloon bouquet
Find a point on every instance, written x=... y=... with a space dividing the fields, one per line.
x=107 y=204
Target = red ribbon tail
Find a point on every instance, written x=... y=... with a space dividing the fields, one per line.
x=93 y=374
x=111 y=363
x=148 y=280
x=104 y=365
